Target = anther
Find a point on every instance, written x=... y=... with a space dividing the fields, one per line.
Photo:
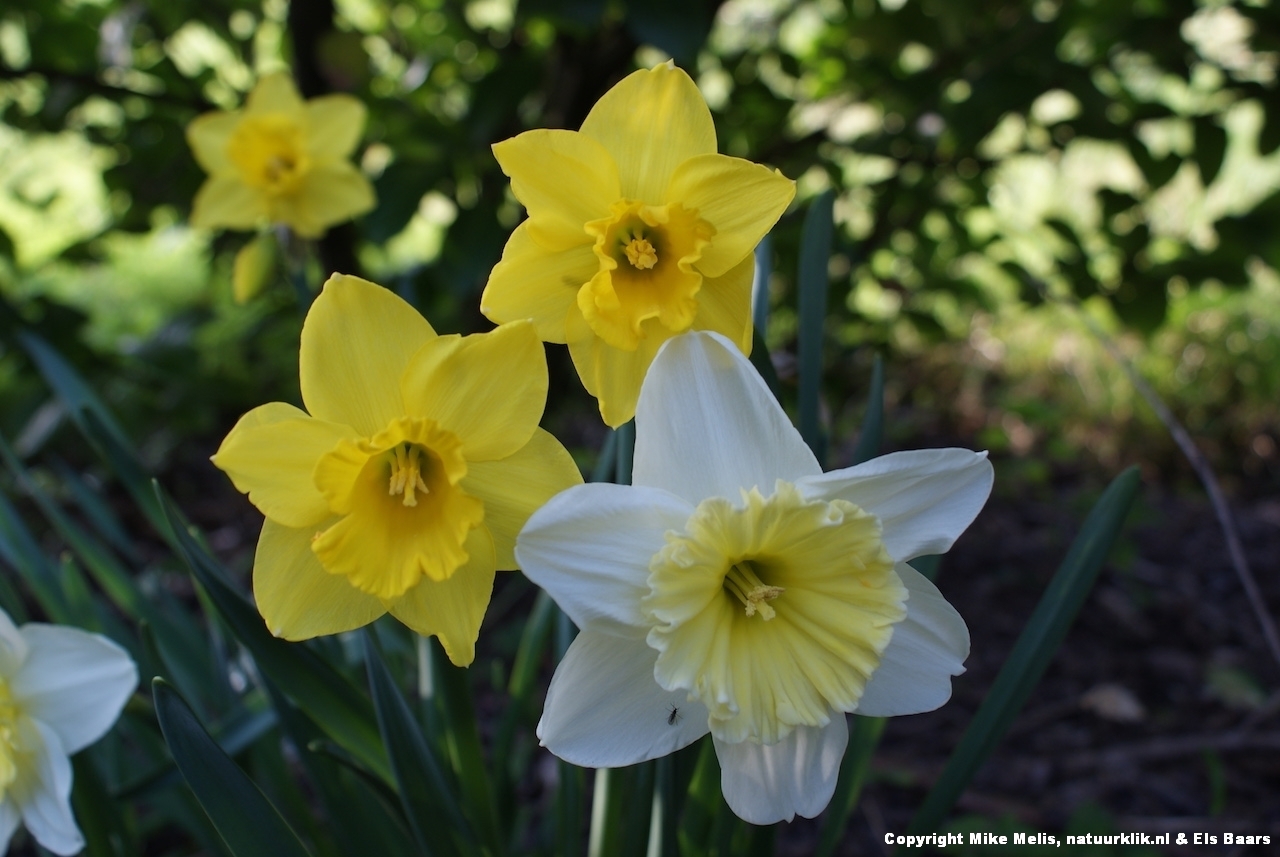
x=406 y=475
x=641 y=254
x=747 y=587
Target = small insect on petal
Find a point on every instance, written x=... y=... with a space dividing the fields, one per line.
x=673 y=716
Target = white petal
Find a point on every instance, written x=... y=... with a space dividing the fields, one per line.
x=9 y=818
x=924 y=498
x=926 y=650
x=590 y=548
x=74 y=682
x=604 y=709
x=796 y=776
x=13 y=649
x=707 y=426
x=45 y=797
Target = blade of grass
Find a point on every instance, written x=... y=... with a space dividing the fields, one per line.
x=812 y=282
x=249 y=824
x=701 y=804
x=1034 y=650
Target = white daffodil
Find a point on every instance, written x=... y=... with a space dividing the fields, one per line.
x=735 y=588
x=61 y=689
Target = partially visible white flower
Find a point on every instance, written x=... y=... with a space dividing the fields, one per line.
x=735 y=588
x=61 y=689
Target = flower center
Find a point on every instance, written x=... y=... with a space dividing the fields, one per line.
x=269 y=151
x=640 y=254
x=741 y=582
x=400 y=510
x=8 y=739
x=646 y=256
x=817 y=576
x=407 y=465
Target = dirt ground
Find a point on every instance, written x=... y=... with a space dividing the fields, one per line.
x=1154 y=710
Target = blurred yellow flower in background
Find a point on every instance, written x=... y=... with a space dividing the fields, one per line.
x=402 y=486
x=637 y=231
x=280 y=160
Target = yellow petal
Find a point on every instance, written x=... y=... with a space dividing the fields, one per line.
x=208 y=135
x=296 y=596
x=514 y=488
x=563 y=178
x=334 y=125
x=329 y=193
x=274 y=93
x=740 y=199
x=270 y=455
x=489 y=389
x=724 y=304
x=223 y=201
x=537 y=284
x=610 y=374
x=650 y=123
x=453 y=609
x=356 y=343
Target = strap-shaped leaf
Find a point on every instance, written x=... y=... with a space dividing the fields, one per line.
x=434 y=815
x=873 y=423
x=812 y=280
x=317 y=688
x=249 y=824
x=1034 y=650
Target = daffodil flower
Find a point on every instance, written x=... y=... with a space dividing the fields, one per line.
x=403 y=485
x=280 y=160
x=637 y=230
x=61 y=689
x=737 y=589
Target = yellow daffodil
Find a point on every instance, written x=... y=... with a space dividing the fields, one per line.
x=737 y=589
x=637 y=230
x=403 y=485
x=61 y=689
x=280 y=160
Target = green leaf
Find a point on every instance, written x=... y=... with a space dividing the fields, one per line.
x=760 y=285
x=873 y=422
x=95 y=422
x=626 y=450
x=248 y=822
x=434 y=816
x=101 y=818
x=621 y=811
x=18 y=549
x=234 y=736
x=812 y=281
x=462 y=739
x=180 y=640
x=1034 y=650
x=317 y=688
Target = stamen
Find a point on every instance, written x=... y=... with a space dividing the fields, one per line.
x=641 y=254
x=747 y=587
x=279 y=166
x=406 y=474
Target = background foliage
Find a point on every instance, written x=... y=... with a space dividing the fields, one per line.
x=1001 y=171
